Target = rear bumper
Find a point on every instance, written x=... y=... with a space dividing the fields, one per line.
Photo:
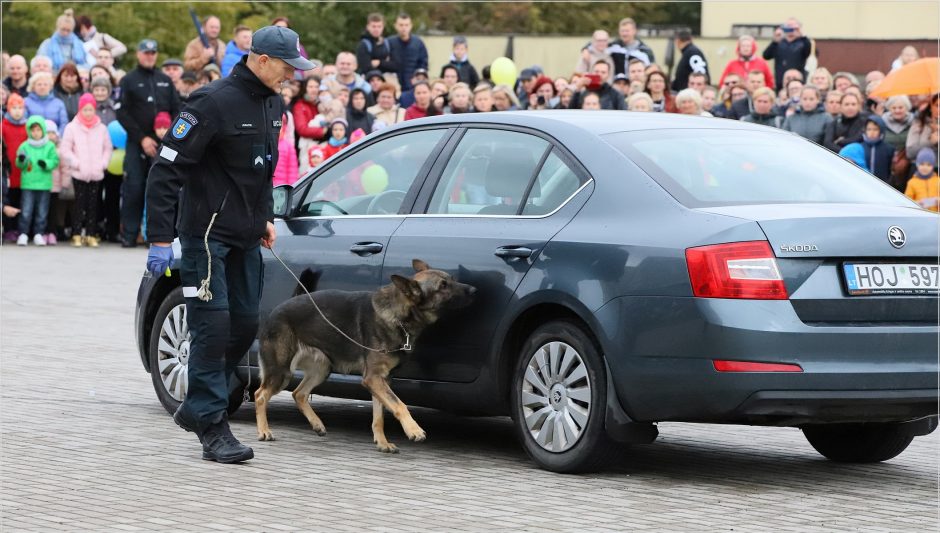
x=660 y=351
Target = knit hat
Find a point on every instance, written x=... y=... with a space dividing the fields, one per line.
x=339 y=120
x=925 y=155
x=101 y=81
x=51 y=126
x=15 y=100
x=162 y=121
x=315 y=150
x=87 y=99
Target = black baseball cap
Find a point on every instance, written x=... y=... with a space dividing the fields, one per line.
x=374 y=74
x=282 y=43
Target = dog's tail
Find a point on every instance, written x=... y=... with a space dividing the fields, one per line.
x=308 y=279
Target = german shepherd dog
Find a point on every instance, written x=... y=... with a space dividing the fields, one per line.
x=297 y=337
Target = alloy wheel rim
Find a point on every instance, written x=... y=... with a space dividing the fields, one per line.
x=556 y=396
x=173 y=353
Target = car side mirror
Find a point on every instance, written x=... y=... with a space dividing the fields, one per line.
x=282 y=200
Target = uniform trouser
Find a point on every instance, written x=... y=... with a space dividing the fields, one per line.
x=136 y=166
x=223 y=328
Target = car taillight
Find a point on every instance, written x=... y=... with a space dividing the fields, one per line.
x=749 y=366
x=735 y=270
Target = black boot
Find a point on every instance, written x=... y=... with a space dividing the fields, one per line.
x=218 y=444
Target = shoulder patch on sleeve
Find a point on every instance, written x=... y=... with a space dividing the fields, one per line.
x=182 y=128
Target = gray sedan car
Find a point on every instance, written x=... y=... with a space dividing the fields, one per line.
x=631 y=268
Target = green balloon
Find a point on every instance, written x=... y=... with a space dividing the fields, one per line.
x=503 y=71
x=116 y=164
x=374 y=179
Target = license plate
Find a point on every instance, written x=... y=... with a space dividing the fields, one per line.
x=891 y=278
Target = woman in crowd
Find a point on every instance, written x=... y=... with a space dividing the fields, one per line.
x=848 y=127
x=450 y=75
x=504 y=99
x=763 y=113
x=689 y=102
x=833 y=103
x=543 y=93
x=95 y=40
x=357 y=117
x=41 y=101
x=459 y=99
x=658 y=88
x=564 y=97
x=908 y=55
x=68 y=88
x=309 y=132
x=640 y=102
x=64 y=45
x=482 y=98
x=386 y=111
x=422 y=106
x=898 y=119
x=591 y=101
x=925 y=129
x=810 y=121
x=822 y=80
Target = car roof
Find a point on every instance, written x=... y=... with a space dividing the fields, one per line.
x=594 y=122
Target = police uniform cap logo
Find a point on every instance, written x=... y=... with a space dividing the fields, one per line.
x=181 y=129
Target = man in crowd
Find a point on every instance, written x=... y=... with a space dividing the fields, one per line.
x=610 y=98
x=745 y=106
x=636 y=71
x=145 y=91
x=18 y=75
x=373 y=51
x=790 y=49
x=594 y=52
x=40 y=64
x=173 y=68
x=408 y=97
x=692 y=60
x=627 y=48
x=698 y=81
x=346 y=74
x=198 y=55
x=408 y=52
x=237 y=48
x=105 y=58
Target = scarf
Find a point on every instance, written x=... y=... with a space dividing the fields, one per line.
x=39 y=143
x=19 y=122
x=72 y=43
x=334 y=142
x=923 y=176
x=87 y=122
x=894 y=125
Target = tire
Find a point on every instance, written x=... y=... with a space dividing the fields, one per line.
x=858 y=443
x=170 y=381
x=560 y=382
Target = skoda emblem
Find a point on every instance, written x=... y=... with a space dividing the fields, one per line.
x=896 y=236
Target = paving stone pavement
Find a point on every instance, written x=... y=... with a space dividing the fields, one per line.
x=86 y=446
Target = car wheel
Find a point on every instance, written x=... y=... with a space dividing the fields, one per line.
x=858 y=443
x=169 y=354
x=559 y=393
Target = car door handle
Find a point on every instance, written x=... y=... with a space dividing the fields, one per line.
x=513 y=252
x=366 y=248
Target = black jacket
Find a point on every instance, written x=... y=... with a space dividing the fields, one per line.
x=466 y=72
x=222 y=151
x=621 y=54
x=692 y=60
x=144 y=93
x=844 y=131
x=368 y=49
x=409 y=56
x=787 y=55
x=610 y=98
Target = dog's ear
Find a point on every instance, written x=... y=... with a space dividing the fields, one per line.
x=419 y=265
x=408 y=287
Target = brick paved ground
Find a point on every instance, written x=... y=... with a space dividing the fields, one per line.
x=86 y=446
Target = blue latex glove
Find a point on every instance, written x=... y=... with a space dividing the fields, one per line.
x=159 y=259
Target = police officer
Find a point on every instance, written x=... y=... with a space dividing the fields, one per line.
x=145 y=91
x=221 y=151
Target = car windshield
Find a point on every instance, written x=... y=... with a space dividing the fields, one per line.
x=704 y=168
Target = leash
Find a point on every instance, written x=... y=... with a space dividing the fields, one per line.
x=407 y=346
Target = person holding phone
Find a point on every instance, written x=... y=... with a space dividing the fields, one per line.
x=789 y=50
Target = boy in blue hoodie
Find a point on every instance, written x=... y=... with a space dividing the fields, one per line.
x=878 y=153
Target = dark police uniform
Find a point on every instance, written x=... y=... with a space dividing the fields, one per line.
x=221 y=151
x=144 y=93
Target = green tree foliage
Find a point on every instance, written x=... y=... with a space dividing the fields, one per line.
x=329 y=27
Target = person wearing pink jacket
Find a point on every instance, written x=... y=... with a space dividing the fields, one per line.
x=287 y=170
x=86 y=149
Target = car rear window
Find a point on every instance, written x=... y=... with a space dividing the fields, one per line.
x=714 y=167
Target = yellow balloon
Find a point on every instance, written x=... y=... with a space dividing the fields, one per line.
x=374 y=179
x=503 y=71
x=116 y=164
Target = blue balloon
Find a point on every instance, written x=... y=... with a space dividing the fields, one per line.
x=118 y=135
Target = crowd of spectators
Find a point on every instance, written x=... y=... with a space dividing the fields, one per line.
x=95 y=192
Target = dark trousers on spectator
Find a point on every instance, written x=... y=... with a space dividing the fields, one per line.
x=136 y=166
x=109 y=206
x=35 y=211
x=85 y=208
x=12 y=199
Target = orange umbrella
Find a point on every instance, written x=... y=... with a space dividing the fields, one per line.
x=919 y=77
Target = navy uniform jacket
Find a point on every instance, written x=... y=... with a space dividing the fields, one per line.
x=222 y=151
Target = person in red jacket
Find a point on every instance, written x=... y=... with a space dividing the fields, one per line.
x=747 y=60
x=309 y=132
x=422 y=106
x=14 y=134
x=338 y=138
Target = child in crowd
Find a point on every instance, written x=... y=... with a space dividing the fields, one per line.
x=286 y=172
x=14 y=134
x=37 y=158
x=86 y=147
x=924 y=186
x=161 y=124
x=62 y=194
x=314 y=156
x=338 y=138
x=461 y=60
x=855 y=153
x=878 y=153
x=101 y=90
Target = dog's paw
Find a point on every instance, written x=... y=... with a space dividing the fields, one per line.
x=319 y=430
x=416 y=434
x=265 y=435
x=386 y=447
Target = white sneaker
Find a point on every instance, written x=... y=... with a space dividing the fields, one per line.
x=22 y=240
x=39 y=240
